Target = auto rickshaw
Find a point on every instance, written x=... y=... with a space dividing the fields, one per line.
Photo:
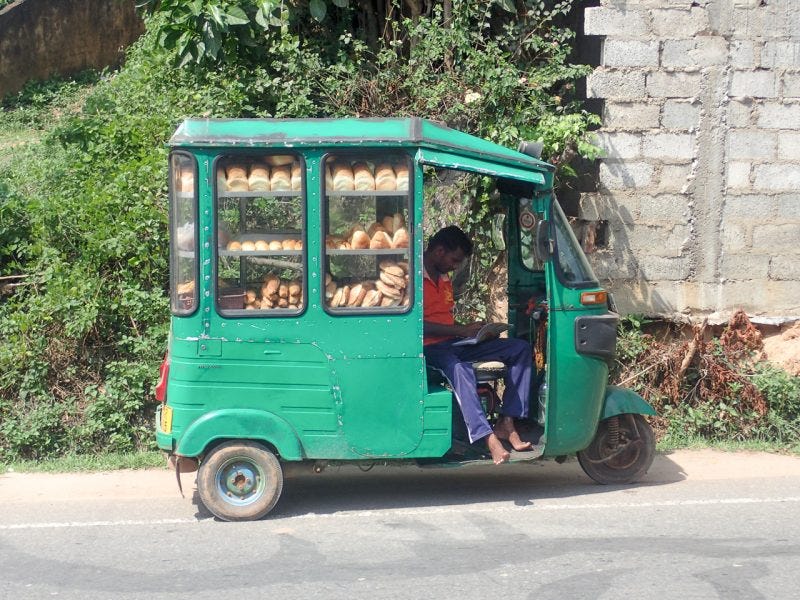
x=296 y=298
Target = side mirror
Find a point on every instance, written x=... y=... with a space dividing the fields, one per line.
x=543 y=245
x=498 y=231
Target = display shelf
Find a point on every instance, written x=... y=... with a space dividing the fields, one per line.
x=262 y=194
x=366 y=193
x=367 y=252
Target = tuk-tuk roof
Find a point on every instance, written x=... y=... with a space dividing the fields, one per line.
x=439 y=145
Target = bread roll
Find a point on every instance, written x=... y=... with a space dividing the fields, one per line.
x=392 y=267
x=328 y=178
x=295 y=289
x=403 y=265
x=372 y=298
x=387 y=301
x=330 y=289
x=275 y=245
x=248 y=246
x=287 y=245
x=385 y=178
x=250 y=296
x=398 y=221
x=388 y=290
x=345 y=295
x=186 y=182
x=297 y=177
x=343 y=178
x=261 y=245
x=328 y=278
x=362 y=177
x=401 y=171
x=234 y=246
x=253 y=306
x=406 y=300
x=380 y=240
x=298 y=244
x=266 y=303
x=393 y=280
x=283 y=290
x=375 y=227
x=356 y=296
x=388 y=224
x=270 y=285
x=258 y=181
x=236 y=179
x=279 y=160
x=336 y=298
x=281 y=179
x=283 y=303
x=222 y=184
x=400 y=238
x=360 y=239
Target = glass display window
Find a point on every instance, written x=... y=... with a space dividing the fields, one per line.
x=183 y=238
x=260 y=213
x=367 y=232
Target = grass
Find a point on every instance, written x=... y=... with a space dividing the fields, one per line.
x=85 y=463
x=688 y=442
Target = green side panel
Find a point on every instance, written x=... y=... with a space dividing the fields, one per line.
x=437 y=423
x=620 y=401
x=449 y=160
x=240 y=424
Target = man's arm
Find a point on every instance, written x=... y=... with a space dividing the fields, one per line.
x=437 y=329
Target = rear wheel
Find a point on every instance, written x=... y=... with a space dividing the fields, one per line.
x=621 y=452
x=240 y=481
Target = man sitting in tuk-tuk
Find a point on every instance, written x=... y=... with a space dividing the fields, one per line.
x=446 y=250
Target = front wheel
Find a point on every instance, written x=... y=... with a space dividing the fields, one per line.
x=240 y=481
x=621 y=452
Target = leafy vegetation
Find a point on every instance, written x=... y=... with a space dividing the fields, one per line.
x=83 y=211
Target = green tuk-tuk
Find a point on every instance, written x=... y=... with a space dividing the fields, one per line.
x=285 y=347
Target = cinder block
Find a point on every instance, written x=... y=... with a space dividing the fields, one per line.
x=673 y=85
x=740 y=113
x=791 y=85
x=788 y=206
x=748 y=208
x=602 y=83
x=734 y=237
x=738 y=175
x=680 y=114
x=789 y=144
x=742 y=54
x=751 y=143
x=679 y=24
x=663 y=208
x=675 y=178
x=620 y=145
x=780 y=54
x=658 y=240
x=610 y=21
x=617 y=209
x=630 y=115
x=673 y=147
x=754 y=84
x=703 y=51
x=776 y=238
x=611 y=265
x=785 y=267
x=744 y=266
x=663 y=268
x=780 y=176
x=619 y=176
x=630 y=53
x=774 y=115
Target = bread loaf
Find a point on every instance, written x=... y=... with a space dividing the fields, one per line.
x=362 y=177
x=400 y=238
x=356 y=296
x=380 y=240
x=297 y=177
x=234 y=246
x=287 y=245
x=279 y=160
x=343 y=177
x=248 y=246
x=385 y=178
x=275 y=245
x=375 y=227
x=372 y=298
x=360 y=239
x=261 y=245
x=258 y=181
x=336 y=299
x=401 y=172
x=281 y=179
x=236 y=179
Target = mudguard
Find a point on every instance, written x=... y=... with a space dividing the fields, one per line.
x=240 y=424
x=619 y=401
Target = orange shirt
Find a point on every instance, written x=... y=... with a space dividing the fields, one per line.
x=438 y=303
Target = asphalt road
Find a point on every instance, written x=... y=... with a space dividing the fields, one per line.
x=702 y=525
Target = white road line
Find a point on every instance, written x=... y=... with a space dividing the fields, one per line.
x=491 y=508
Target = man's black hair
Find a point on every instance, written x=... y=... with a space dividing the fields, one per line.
x=451 y=238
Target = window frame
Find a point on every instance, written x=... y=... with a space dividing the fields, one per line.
x=174 y=251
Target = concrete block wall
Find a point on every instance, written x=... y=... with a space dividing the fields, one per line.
x=700 y=183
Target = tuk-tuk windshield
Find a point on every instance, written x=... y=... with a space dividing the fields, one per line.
x=571 y=265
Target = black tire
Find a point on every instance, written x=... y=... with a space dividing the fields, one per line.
x=629 y=460
x=240 y=481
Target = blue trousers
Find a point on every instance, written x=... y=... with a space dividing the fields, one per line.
x=454 y=363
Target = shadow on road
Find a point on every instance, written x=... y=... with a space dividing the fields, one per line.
x=379 y=487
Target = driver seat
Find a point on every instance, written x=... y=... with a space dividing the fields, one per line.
x=487 y=374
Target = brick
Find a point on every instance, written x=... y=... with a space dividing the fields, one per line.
x=747 y=208
x=673 y=85
x=791 y=85
x=775 y=115
x=620 y=145
x=679 y=24
x=785 y=267
x=680 y=114
x=744 y=267
x=664 y=208
x=733 y=237
x=674 y=178
x=669 y=146
x=754 y=84
x=774 y=238
x=780 y=54
x=616 y=175
x=739 y=113
x=703 y=51
x=751 y=143
x=738 y=175
x=662 y=268
x=630 y=115
x=630 y=53
x=742 y=54
x=609 y=21
x=789 y=145
x=615 y=84
x=788 y=207
x=777 y=177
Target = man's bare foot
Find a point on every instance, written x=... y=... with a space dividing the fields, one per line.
x=505 y=430
x=499 y=453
